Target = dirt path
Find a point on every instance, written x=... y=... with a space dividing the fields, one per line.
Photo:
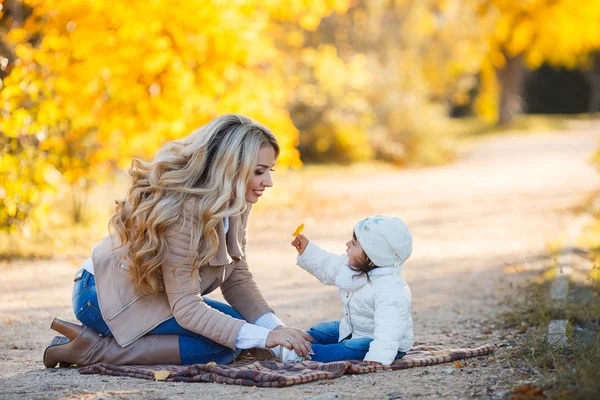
x=498 y=205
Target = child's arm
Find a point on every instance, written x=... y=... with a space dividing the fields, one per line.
x=323 y=265
x=392 y=316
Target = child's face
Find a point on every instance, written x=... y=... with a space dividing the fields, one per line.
x=355 y=252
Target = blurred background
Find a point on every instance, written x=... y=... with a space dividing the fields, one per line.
x=344 y=84
x=475 y=121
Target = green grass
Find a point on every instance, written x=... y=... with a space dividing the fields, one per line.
x=531 y=308
x=569 y=372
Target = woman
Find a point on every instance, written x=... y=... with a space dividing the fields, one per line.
x=179 y=234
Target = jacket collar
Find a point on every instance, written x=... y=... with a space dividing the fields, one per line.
x=349 y=280
x=230 y=247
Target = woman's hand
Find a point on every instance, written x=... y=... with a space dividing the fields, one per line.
x=291 y=338
x=300 y=242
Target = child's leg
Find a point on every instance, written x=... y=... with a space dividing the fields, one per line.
x=325 y=332
x=349 y=349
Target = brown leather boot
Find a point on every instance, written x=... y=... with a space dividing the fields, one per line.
x=86 y=347
x=257 y=354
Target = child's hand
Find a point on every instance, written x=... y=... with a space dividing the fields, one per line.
x=300 y=242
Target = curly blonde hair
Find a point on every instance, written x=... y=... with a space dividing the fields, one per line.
x=213 y=166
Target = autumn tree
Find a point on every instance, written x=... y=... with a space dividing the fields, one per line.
x=94 y=83
x=26 y=174
x=377 y=81
x=527 y=34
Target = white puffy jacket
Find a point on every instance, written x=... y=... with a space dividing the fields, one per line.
x=379 y=310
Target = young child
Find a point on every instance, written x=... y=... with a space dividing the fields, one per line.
x=377 y=325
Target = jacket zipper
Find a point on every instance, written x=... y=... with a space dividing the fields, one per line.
x=120 y=310
x=350 y=294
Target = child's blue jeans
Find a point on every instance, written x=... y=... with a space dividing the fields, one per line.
x=328 y=349
x=193 y=348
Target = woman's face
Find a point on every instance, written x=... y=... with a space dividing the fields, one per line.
x=261 y=178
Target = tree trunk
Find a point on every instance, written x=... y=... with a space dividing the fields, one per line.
x=593 y=76
x=510 y=79
x=79 y=196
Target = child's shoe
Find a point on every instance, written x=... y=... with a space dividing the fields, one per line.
x=289 y=356
x=286 y=356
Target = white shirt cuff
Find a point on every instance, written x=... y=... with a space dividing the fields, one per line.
x=269 y=321
x=251 y=336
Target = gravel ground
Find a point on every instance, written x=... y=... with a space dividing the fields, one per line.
x=497 y=206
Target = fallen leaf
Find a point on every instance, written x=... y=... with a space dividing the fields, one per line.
x=211 y=363
x=458 y=364
x=298 y=230
x=529 y=391
x=161 y=375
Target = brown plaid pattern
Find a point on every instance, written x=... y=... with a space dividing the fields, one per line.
x=276 y=374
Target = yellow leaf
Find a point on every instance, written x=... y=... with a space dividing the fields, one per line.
x=298 y=230
x=211 y=363
x=161 y=375
x=458 y=364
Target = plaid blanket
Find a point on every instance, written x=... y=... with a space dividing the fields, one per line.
x=275 y=374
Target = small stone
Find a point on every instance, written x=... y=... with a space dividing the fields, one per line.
x=557 y=333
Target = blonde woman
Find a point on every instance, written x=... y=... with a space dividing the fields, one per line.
x=179 y=233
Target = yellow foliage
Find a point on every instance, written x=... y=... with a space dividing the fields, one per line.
x=486 y=104
x=558 y=32
x=106 y=81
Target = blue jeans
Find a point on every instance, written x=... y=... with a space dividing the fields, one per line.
x=193 y=348
x=328 y=349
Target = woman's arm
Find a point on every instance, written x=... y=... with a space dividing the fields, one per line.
x=184 y=294
x=269 y=321
x=251 y=336
x=240 y=290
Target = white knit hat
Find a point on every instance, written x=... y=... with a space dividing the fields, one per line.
x=386 y=240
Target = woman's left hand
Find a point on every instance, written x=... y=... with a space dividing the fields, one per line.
x=298 y=331
x=301 y=336
x=290 y=339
